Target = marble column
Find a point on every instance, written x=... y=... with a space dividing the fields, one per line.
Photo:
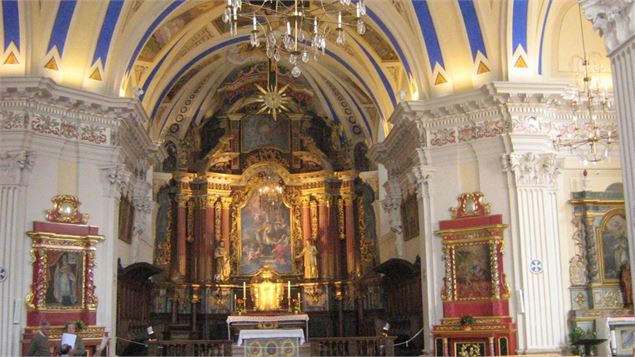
x=14 y=169
x=615 y=21
x=181 y=238
x=351 y=242
x=341 y=237
x=534 y=218
x=200 y=238
x=209 y=237
x=306 y=218
x=323 y=236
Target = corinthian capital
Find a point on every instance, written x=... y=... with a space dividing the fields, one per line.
x=613 y=19
x=14 y=164
x=117 y=179
x=532 y=169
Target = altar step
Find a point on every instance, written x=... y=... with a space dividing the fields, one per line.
x=239 y=351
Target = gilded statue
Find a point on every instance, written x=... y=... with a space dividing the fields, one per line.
x=309 y=254
x=223 y=262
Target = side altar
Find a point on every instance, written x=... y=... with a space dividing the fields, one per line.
x=475 y=294
x=62 y=288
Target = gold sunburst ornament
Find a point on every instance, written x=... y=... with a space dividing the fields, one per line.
x=273 y=100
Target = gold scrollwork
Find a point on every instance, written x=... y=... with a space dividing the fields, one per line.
x=314 y=219
x=190 y=221
x=469 y=349
x=217 y=221
x=340 y=218
x=494 y=269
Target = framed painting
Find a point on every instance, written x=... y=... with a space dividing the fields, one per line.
x=410 y=217
x=473 y=273
x=613 y=244
x=65 y=270
x=260 y=131
x=126 y=219
x=265 y=231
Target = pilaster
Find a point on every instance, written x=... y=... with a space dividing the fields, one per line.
x=536 y=234
x=615 y=21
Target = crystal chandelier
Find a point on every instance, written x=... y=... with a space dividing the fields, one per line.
x=296 y=29
x=269 y=191
x=589 y=141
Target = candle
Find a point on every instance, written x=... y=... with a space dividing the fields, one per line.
x=244 y=290
x=339 y=19
x=298 y=298
x=289 y=291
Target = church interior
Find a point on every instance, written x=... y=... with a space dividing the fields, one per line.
x=318 y=177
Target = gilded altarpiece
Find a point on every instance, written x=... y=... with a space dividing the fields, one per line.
x=475 y=294
x=62 y=288
x=257 y=204
x=599 y=270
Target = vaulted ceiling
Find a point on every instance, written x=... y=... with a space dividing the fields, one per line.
x=180 y=54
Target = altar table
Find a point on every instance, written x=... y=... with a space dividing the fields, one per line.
x=237 y=323
x=271 y=333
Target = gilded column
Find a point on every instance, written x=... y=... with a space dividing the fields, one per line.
x=351 y=244
x=181 y=234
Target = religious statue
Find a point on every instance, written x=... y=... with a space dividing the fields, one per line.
x=309 y=253
x=223 y=262
x=626 y=284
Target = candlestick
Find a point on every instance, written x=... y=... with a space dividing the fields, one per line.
x=244 y=290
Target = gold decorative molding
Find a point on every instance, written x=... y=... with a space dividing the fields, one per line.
x=66 y=210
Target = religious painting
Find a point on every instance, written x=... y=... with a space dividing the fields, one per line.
x=266 y=234
x=260 y=131
x=126 y=219
x=410 y=217
x=473 y=274
x=65 y=271
x=614 y=244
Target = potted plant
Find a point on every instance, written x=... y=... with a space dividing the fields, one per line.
x=467 y=321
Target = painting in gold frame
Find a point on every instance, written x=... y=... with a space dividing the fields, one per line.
x=613 y=244
x=265 y=231
x=473 y=274
x=65 y=279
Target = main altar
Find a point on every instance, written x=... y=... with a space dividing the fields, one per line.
x=265 y=224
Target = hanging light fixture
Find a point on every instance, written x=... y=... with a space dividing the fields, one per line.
x=589 y=141
x=296 y=29
x=270 y=191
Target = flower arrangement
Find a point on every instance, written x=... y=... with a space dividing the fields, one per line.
x=467 y=320
x=79 y=324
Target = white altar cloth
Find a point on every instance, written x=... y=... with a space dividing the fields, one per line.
x=267 y=318
x=271 y=333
